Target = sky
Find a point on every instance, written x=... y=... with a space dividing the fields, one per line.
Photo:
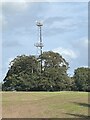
x=65 y=30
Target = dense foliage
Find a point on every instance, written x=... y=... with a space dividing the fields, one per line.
x=0 y=86
x=25 y=74
x=82 y=78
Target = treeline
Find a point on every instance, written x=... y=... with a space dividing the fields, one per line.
x=0 y=86
x=25 y=74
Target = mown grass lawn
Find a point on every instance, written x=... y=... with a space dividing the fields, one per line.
x=45 y=104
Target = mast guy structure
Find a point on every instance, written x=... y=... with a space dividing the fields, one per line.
x=40 y=44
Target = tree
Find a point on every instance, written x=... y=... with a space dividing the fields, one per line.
x=0 y=86
x=24 y=73
x=53 y=60
x=20 y=73
x=81 y=77
x=55 y=69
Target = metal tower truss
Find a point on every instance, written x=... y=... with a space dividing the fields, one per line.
x=39 y=45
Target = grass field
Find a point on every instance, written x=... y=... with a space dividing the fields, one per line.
x=44 y=104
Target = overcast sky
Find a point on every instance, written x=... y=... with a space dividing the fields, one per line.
x=65 y=31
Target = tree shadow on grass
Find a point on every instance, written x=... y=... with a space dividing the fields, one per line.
x=78 y=115
x=82 y=104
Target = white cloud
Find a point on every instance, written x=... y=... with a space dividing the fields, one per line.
x=9 y=61
x=7 y=65
x=16 y=5
x=14 y=1
x=65 y=24
x=67 y=53
x=5 y=68
x=82 y=43
x=46 y=0
x=13 y=6
x=85 y=66
x=3 y=21
x=25 y=1
x=20 y=5
x=86 y=42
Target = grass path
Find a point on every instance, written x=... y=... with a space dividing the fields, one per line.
x=44 y=104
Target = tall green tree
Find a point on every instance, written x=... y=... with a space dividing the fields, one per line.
x=55 y=69
x=24 y=73
x=82 y=79
x=20 y=74
x=53 y=60
x=0 y=86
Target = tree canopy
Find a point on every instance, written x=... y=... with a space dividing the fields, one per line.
x=24 y=74
x=82 y=78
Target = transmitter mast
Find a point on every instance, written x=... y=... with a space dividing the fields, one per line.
x=39 y=44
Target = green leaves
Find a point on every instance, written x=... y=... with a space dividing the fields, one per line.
x=24 y=74
x=52 y=59
x=81 y=76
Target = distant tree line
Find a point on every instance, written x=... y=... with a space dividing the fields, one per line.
x=25 y=74
x=0 y=86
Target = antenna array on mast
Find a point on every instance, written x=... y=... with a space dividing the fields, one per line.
x=39 y=44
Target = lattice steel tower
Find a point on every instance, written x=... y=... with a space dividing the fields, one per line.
x=39 y=44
